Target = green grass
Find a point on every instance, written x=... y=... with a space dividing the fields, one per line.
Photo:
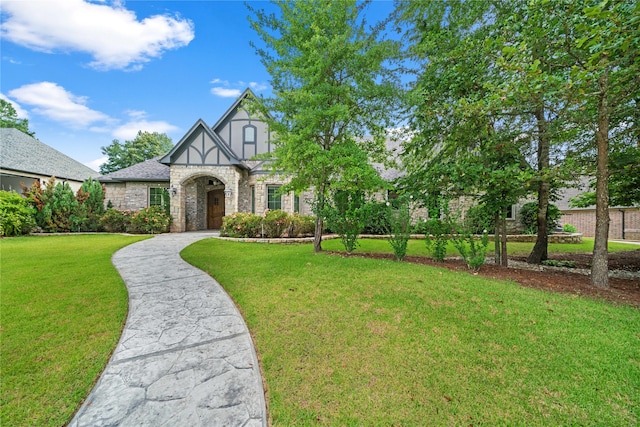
x=418 y=247
x=351 y=341
x=63 y=306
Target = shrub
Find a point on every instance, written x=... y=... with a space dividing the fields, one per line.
x=346 y=220
x=377 y=219
x=477 y=219
x=301 y=225
x=275 y=223
x=116 y=221
x=151 y=220
x=568 y=228
x=400 y=229
x=241 y=225
x=90 y=198
x=437 y=235
x=529 y=217
x=472 y=251
x=17 y=217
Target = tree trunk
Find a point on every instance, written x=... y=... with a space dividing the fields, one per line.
x=503 y=224
x=539 y=252
x=600 y=263
x=496 y=238
x=317 y=234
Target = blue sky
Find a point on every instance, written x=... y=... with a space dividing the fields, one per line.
x=87 y=72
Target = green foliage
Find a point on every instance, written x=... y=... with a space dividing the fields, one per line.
x=478 y=219
x=346 y=215
x=90 y=198
x=331 y=88
x=151 y=220
x=399 y=227
x=529 y=214
x=558 y=263
x=143 y=147
x=437 y=236
x=241 y=224
x=472 y=250
x=9 y=118
x=62 y=210
x=569 y=228
x=377 y=218
x=301 y=225
x=117 y=221
x=275 y=223
x=16 y=214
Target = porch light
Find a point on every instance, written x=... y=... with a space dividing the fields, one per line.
x=227 y=192
x=173 y=191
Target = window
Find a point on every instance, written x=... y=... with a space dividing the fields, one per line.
x=249 y=134
x=274 y=200
x=510 y=212
x=159 y=196
x=253 y=199
x=296 y=203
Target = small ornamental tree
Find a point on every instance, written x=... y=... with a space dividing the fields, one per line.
x=16 y=214
x=90 y=198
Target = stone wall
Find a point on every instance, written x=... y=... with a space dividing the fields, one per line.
x=131 y=196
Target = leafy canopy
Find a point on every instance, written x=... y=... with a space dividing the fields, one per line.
x=145 y=146
x=9 y=118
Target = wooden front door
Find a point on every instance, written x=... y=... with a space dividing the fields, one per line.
x=215 y=209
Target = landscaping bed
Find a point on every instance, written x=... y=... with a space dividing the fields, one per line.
x=555 y=279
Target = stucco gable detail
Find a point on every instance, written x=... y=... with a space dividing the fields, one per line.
x=201 y=147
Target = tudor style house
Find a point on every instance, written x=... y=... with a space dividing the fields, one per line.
x=211 y=172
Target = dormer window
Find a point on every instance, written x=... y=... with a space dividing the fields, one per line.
x=249 y=134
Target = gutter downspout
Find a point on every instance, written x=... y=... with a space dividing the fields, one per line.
x=622 y=211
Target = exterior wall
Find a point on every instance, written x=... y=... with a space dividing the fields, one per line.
x=260 y=183
x=10 y=181
x=585 y=222
x=130 y=195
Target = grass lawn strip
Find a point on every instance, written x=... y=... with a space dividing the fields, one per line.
x=63 y=306
x=351 y=341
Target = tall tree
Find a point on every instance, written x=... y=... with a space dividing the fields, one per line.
x=144 y=146
x=331 y=88
x=9 y=118
x=463 y=143
x=604 y=43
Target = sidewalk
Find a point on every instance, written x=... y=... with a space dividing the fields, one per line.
x=185 y=356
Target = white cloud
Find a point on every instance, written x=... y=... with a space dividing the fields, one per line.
x=258 y=87
x=111 y=34
x=234 y=90
x=225 y=92
x=20 y=112
x=55 y=103
x=95 y=164
x=138 y=122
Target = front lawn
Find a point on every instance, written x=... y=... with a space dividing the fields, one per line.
x=63 y=306
x=355 y=341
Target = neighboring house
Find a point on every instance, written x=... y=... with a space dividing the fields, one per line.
x=211 y=172
x=24 y=159
x=624 y=220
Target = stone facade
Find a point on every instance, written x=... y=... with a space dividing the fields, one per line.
x=130 y=195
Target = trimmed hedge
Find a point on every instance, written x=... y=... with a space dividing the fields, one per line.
x=274 y=224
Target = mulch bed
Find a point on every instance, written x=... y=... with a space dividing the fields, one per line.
x=622 y=291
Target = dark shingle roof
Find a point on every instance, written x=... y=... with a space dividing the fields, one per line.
x=149 y=170
x=22 y=153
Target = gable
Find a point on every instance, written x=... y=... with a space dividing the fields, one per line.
x=244 y=134
x=201 y=147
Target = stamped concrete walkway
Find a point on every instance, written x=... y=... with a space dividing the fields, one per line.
x=185 y=357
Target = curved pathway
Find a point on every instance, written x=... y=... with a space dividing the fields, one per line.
x=185 y=356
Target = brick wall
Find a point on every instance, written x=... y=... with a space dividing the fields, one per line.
x=585 y=222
